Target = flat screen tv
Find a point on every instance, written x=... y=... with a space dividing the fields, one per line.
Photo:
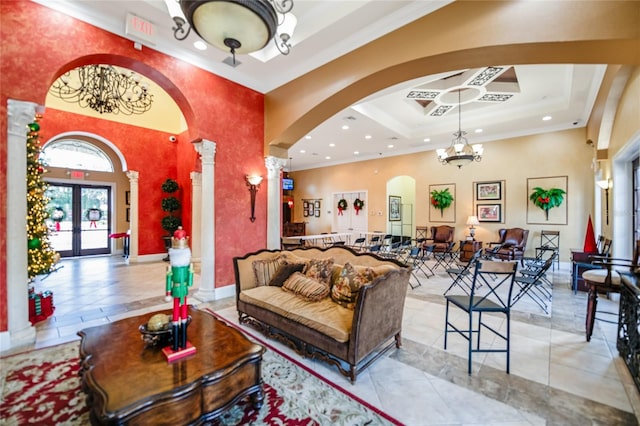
x=287 y=184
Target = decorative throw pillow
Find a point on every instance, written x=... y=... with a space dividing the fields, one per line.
x=305 y=287
x=346 y=288
x=265 y=269
x=284 y=271
x=320 y=270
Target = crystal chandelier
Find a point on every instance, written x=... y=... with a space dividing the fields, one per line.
x=460 y=152
x=237 y=26
x=104 y=89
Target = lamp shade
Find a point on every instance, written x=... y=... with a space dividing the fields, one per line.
x=254 y=180
x=246 y=26
x=473 y=221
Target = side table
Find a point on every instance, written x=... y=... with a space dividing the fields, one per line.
x=468 y=248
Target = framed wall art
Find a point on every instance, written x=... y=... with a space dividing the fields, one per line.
x=488 y=191
x=491 y=193
x=489 y=212
x=442 y=203
x=557 y=188
x=395 y=205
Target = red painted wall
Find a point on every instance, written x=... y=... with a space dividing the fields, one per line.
x=138 y=145
x=39 y=44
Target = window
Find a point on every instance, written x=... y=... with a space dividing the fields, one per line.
x=77 y=155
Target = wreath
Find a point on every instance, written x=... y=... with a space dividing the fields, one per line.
x=358 y=204
x=57 y=215
x=94 y=215
x=342 y=205
x=547 y=199
x=441 y=199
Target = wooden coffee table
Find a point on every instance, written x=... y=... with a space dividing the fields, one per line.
x=128 y=383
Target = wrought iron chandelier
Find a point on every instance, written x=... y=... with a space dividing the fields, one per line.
x=238 y=26
x=104 y=89
x=460 y=152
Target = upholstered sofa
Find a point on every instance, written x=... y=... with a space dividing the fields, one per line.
x=333 y=304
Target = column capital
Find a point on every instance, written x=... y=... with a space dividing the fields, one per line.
x=207 y=150
x=133 y=175
x=19 y=113
x=274 y=165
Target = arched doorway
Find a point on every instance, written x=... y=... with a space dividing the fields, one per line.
x=85 y=177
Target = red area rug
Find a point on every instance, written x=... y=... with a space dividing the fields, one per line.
x=43 y=387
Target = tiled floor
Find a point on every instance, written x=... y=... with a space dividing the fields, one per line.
x=556 y=376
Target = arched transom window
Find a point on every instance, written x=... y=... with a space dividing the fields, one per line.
x=77 y=155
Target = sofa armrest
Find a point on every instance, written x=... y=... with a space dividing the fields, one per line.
x=378 y=312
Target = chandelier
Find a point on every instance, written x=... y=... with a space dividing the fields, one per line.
x=237 y=26
x=104 y=89
x=460 y=152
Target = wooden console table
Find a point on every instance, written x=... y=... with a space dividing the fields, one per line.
x=128 y=383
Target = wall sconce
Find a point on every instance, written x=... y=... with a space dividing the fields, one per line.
x=290 y=203
x=605 y=184
x=472 y=221
x=253 y=182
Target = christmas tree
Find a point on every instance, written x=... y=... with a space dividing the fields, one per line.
x=41 y=257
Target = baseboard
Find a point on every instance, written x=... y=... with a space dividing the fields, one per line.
x=226 y=291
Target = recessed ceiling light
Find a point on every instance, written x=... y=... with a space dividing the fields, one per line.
x=308 y=137
x=345 y=127
x=200 y=45
x=389 y=146
x=356 y=152
x=332 y=145
x=302 y=151
x=426 y=140
x=327 y=158
x=478 y=130
x=367 y=136
x=546 y=118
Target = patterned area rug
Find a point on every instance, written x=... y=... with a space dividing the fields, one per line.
x=42 y=387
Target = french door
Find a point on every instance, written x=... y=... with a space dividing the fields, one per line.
x=79 y=219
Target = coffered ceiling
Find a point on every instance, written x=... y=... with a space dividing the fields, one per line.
x=496 y=101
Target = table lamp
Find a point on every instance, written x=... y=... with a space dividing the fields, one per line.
x=472 y=221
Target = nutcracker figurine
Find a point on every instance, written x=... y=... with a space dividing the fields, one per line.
x=179 y=279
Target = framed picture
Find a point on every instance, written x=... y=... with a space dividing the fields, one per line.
x=305 y=204
x=128 y=213
x=394 y=208
x=489 y=212
x=317 y=212
x=127 y=195
x=305 y=212
x=489 y=191
x=316 y=205
x=311 y=209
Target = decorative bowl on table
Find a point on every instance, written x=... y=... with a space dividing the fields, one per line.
x=157 y=331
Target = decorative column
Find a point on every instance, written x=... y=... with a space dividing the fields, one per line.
x=274 y=205
x=196 y=217
x=20 y=332
x=134 y=191
x=207 y=151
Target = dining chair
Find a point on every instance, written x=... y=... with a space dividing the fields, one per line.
x=497 y=280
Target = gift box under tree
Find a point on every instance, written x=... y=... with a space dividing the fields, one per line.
x=40 y=305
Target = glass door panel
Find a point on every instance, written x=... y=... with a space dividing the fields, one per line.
x=94 y=226
x=60 y=220
x=79 y=219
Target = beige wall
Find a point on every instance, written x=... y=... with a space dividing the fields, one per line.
x=512 y=160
